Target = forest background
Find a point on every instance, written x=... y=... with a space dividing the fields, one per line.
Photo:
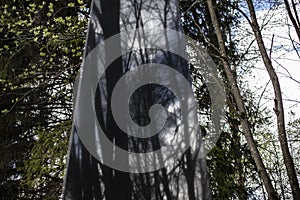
x=255 y=44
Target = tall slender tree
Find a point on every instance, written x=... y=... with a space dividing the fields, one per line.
x=242 y=113
x=278 y=104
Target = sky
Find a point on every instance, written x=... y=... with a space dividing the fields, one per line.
x=277 y=28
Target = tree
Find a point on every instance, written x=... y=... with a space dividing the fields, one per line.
x=241 y=108
x=41 y=45
x=232 y=180
x=181 y=180
x=293 y=15
x=278 y=104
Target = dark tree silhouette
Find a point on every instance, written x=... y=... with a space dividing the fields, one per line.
x=87 y=178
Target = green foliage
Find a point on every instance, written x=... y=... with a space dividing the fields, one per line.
x=41 y=45
x=45 y=167
x=293 y=130
x=227 y=159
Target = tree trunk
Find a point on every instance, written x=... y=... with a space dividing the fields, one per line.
x=241 y=107
x=118 y=184
x=278 y=107
x=294 y=20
